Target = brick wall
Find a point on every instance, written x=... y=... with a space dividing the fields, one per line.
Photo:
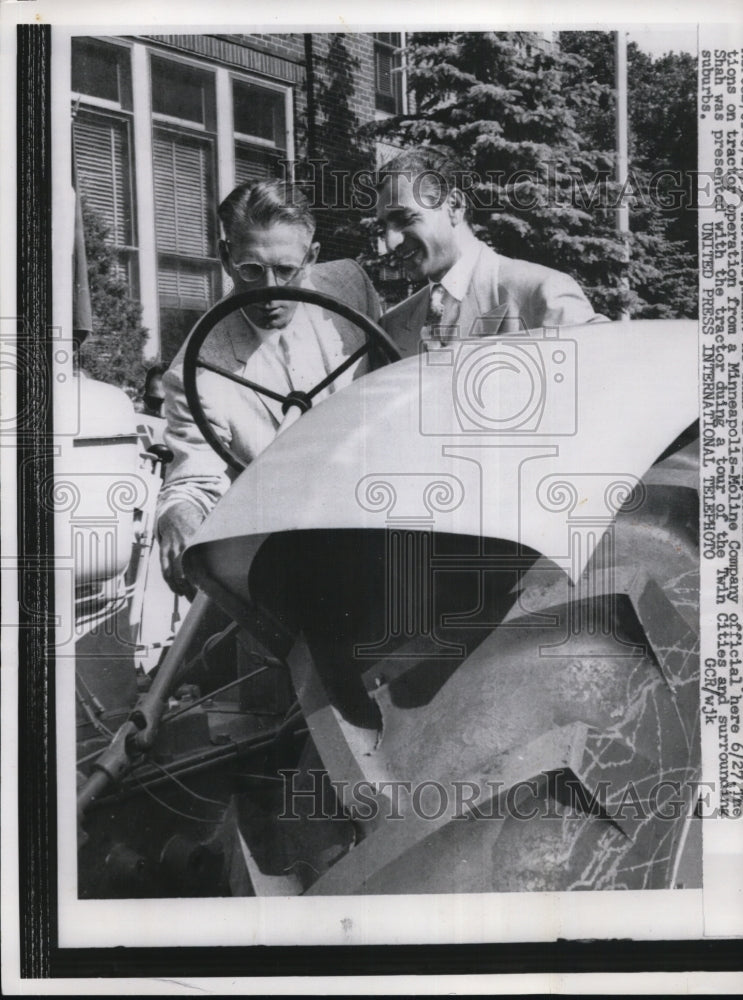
x=344 y=99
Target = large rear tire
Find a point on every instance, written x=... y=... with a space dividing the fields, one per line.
x=577 y=718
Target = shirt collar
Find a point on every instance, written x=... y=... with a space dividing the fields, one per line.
x=457 y=279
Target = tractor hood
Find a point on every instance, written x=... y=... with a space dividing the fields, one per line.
x=537 y=439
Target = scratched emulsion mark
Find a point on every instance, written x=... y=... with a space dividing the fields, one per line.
x=635 y=759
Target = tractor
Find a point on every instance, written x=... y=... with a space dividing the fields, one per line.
x=445 y=637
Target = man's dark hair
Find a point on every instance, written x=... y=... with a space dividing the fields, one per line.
x=260 y=204
x=157 y=371
x=444 y=169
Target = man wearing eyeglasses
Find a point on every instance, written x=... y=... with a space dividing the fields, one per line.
x=285 y=346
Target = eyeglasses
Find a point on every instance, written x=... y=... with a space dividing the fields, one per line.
x=251 y=272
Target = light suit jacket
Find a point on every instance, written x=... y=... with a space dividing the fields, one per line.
x=504 y=296
x=246 y=421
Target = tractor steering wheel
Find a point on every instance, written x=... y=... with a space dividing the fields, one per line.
x=376 y=338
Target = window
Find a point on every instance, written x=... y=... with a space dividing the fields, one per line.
x=185 y=232
x=102 y=145
x=154 y=136
x=184 y=167
x=388 y=71
x=260 y=131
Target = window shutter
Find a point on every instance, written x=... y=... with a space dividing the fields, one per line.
x=387 y=79
x=384 y=72
x=101 y=149
x=183 y=195
x=253 y=165
x=181 y=287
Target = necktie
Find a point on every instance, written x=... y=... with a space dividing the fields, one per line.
x=437 y=332
x=435 y=312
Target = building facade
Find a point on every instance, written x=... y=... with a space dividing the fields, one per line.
x=164 y=126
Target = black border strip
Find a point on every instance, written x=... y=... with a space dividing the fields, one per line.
x=40 y=955
x=36 y=729
x=397 y=960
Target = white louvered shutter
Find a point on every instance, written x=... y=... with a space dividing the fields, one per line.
x=101 y=150
x=184 y=207
x=181 y=287
x=183 y=195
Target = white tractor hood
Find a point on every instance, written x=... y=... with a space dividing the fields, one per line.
x=537 y=439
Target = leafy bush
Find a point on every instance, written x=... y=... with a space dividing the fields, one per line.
x=114 y=352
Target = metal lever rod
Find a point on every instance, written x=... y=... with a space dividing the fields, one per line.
x=138 y=733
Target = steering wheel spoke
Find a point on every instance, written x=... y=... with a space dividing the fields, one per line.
x=332 y=376
x=226 y=373
x=375 y=337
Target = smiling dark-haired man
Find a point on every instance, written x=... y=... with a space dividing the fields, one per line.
x=425 y=217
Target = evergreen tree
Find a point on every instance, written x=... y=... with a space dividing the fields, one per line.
x=512 y=108
x=662 y=117
x=114 y=352
x=535 y=124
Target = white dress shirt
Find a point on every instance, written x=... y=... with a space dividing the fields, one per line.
x=298 y=356
x=455 y=283
x=458 y=278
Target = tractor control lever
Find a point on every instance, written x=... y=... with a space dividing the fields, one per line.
x=137 y=735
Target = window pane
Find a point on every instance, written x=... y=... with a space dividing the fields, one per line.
x=102 y=157
x=185 y=285
x=182 y=92
x=184 y=194
x=101 y=70
x=259 y=112
x=186 y=291
x=252 y=164
x=389 y=38
x=384 y=71
x=387 y=80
